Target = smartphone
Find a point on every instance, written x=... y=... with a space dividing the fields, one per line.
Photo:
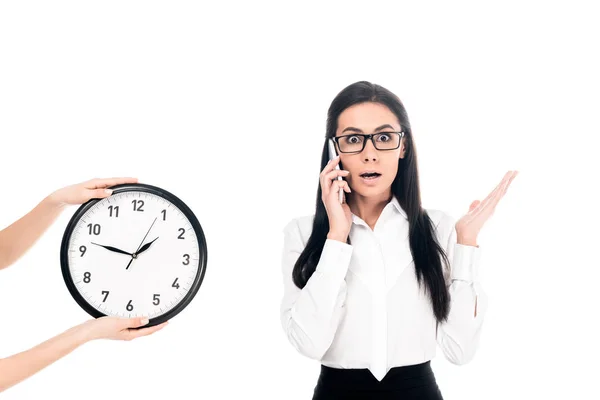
x=332 y=155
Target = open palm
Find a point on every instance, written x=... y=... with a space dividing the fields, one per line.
x=471 y=223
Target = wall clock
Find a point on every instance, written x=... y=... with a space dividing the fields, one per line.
x=139 y=252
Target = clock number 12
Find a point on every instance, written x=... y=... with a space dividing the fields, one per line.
x=138 y=205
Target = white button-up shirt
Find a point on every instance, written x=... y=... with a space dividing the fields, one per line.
x=362 y=307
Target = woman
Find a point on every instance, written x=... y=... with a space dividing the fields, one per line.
x=373 y=283
x=15 y=240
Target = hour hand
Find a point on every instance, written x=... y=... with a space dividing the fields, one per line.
x=113 y=249
x=145 y=247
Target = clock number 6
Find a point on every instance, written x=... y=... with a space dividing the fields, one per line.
x=129 y=306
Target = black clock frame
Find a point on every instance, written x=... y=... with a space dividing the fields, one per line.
x=136 y=187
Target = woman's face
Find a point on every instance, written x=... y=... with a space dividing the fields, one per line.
x=369 y=118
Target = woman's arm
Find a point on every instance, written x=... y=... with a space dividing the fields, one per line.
x=459 y=336
x=21 y=366
x=19 y=237
x=310 y=316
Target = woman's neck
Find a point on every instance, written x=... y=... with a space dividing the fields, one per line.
x=369 y=208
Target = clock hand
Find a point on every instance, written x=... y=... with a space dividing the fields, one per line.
x=113 y=249
x=134 y=255
x=138 y=249
x=145 y=247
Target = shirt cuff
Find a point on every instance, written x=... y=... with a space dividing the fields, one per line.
x=335 y=259
x=465 y=265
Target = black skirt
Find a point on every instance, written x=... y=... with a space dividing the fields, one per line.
x=400 y=383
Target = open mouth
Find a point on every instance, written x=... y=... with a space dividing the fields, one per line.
x=370 y=175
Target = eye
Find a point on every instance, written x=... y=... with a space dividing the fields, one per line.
x=354 y=139
x=384 y=137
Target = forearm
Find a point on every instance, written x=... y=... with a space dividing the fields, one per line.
x=19 y=237
x=21 y=366
x=459 y=335
x=467 y=241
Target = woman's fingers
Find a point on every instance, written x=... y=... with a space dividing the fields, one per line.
x=99 y=193
x=327 y=177
x=336 y=185
x=331 y=176
x=330 y=165
x=136 y=322
x=134 y=334
x=107 y=182
x=488 y=204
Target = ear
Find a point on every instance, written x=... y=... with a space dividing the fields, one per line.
x=402 y=150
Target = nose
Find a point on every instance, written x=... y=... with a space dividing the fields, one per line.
x=369 y=152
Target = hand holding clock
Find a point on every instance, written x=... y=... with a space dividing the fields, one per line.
x=84 y=191
x=170 y=277
x=16 y=239
x=116 y=328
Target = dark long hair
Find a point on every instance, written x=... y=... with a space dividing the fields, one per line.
x=425 y=249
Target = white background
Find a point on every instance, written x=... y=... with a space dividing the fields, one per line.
x=225 y=106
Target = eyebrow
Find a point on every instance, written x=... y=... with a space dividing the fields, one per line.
x=356 y=130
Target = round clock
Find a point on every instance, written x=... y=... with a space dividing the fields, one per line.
x=139 y=252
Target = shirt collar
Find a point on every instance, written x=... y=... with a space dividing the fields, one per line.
x=398 y=207
x=394 y=203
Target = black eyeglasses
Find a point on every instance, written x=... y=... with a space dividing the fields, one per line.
x=355 y=142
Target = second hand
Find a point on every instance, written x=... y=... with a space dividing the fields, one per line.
x=134 y=255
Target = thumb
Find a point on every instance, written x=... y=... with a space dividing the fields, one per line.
x=473 y=205
x=100 y=193
x=137 y=322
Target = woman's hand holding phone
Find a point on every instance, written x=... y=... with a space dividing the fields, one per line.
x=340 y=217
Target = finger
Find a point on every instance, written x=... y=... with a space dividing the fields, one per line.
x=326 y=178
x=136 y=322
x=347 y=187
x=504 y=188
x=512 y=177
x=488 y=206
x=103 y=183
x=328 y=182
x=146 y=331
x=489 y=203
x=337 y=185
x=330 y=165
x=496 y=190
x=474 y=205
x=335 y=173
x=99 y=193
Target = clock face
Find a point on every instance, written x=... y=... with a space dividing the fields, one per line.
x=138 y=252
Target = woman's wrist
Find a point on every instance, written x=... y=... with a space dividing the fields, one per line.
x=84 y=332
x=53 y=202
x=337 y=236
